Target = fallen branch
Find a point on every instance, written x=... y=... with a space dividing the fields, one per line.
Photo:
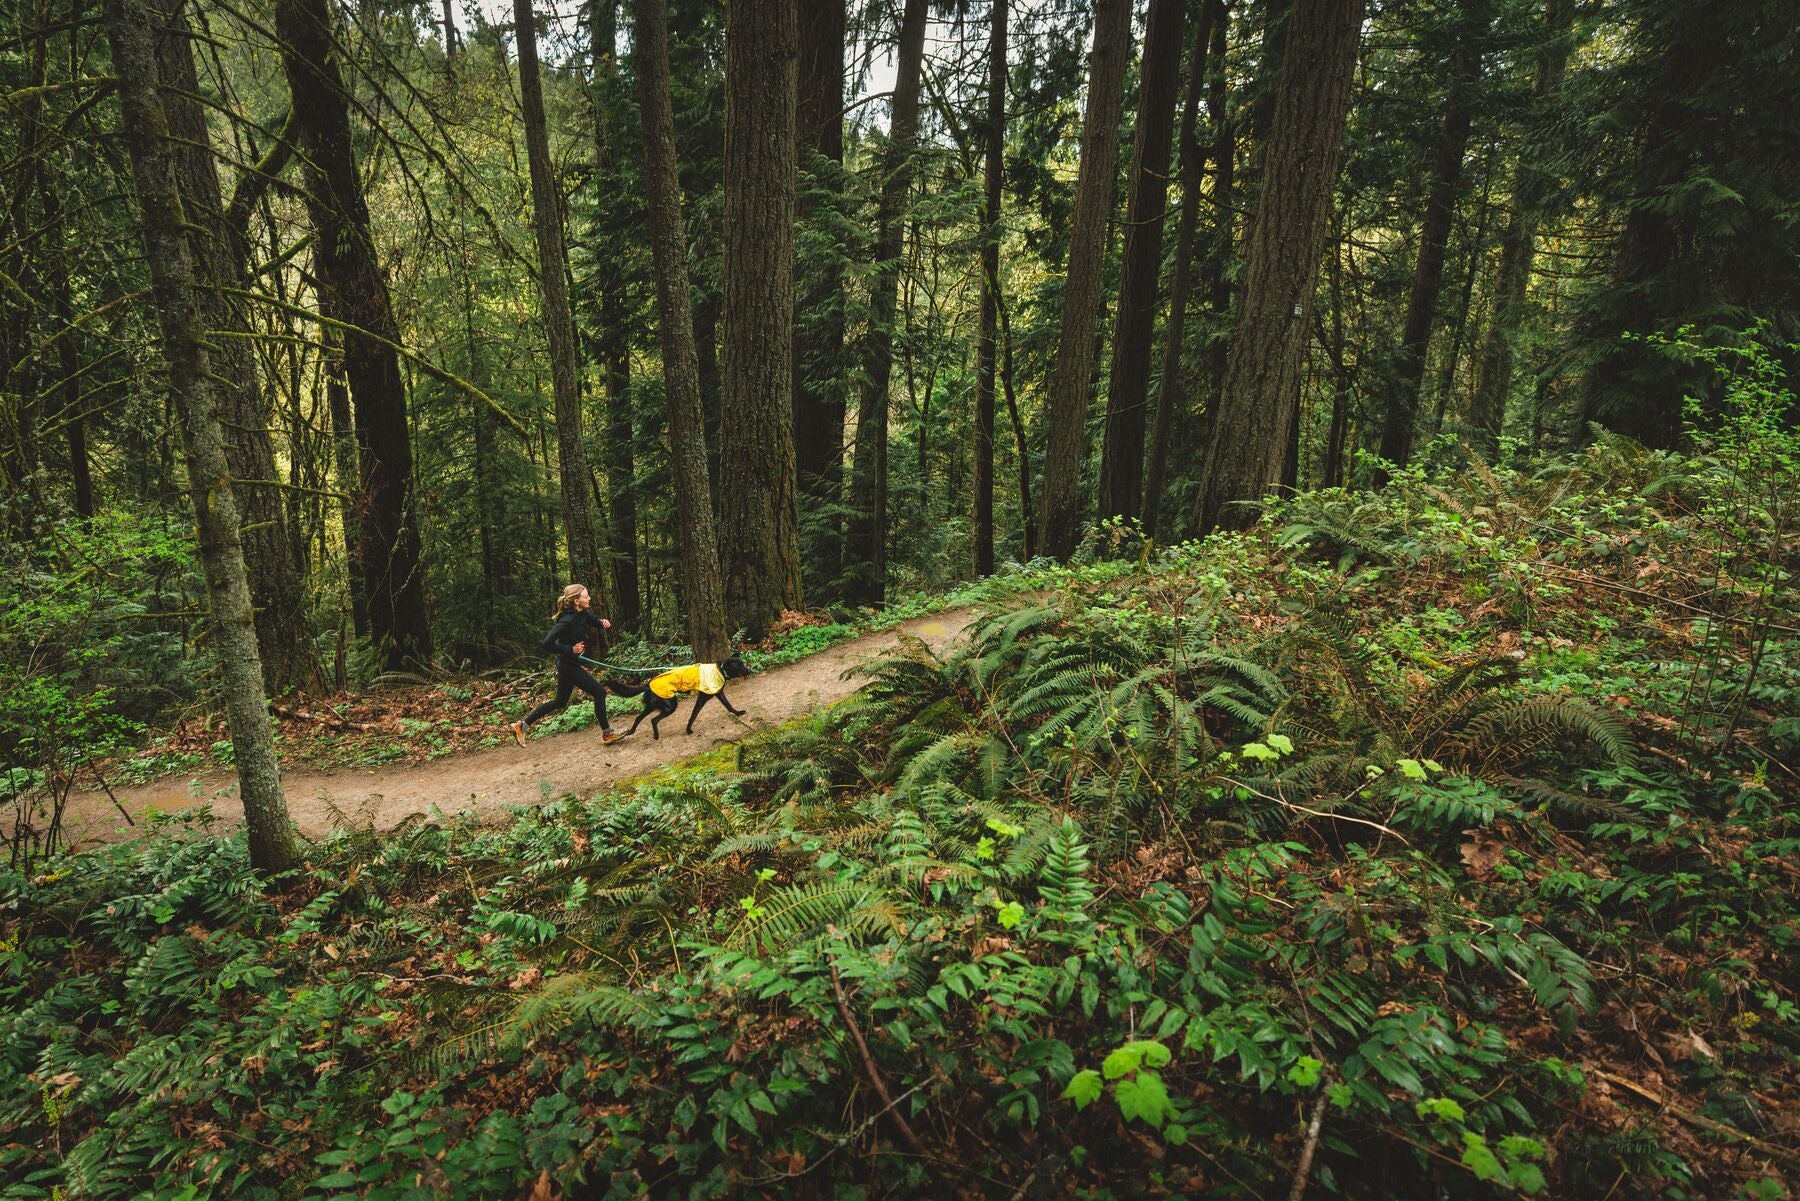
x=1710 y=614
x=1701 y=1121
x=872 y=1072
x=1313 y=1129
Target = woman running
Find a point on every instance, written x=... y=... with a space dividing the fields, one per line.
x=566 y=640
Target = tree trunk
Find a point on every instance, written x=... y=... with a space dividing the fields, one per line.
x=759 y=534
x=1134 y=325
x=1218 y=276
x=219 y=250
x=1476 y=253
x=1170 y=399
x=1440 y=210
x=613 y=338
x=1059 y=517
x=343 y=442
x=559 y=325
x=68 y=350
x=702 y=590
x=1281 y=262
x=1340 y=392
x=819 y=313
x=181 y=319
x=987 y=356
x=706 y=341
x=865 y=542
x=1518 y=244
x=354 y=291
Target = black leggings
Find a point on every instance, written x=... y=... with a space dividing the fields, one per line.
x=569 y=677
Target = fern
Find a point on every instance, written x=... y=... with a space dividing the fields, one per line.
x=1063 y=879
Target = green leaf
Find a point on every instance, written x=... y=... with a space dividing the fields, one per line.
x=1257 y=750
x=1176 y=1133
x=1010 y=913
x=1143 y=1097
x=1125 y=1060
x=1410 y=769
x=1442 y=1108
x=1084 y=1088
x=1281 y=743
x=1479 y=1158
x=1305 y=1071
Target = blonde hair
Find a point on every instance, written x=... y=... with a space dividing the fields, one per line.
x=567 y=600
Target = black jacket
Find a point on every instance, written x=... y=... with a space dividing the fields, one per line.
x=572 y=627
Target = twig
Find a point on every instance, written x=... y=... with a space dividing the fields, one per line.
x=1700 y=1120
x=1313 y=1130
x=1341 y=817
x=871 y=1071
x=1585 y=578
x=95 y=768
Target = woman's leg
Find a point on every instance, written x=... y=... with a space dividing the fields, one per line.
x=597 y=690
x=566 y=683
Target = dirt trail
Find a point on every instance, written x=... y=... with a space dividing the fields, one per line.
x=550 y=766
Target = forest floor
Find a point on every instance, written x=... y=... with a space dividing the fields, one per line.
x=490 y=780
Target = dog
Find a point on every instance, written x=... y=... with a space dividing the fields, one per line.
x=661 y=692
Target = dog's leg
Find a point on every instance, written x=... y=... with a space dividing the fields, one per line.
x=699 y=704
x=663 y=709
x=724 y=700
x=640 y=720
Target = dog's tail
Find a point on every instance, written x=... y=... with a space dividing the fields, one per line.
x=621 y=689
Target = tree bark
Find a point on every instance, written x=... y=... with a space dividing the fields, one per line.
x=702 y=589
x=1134 y=323
x=865 y=542
x=219 y=249
x=613 y=338
x=349 y=472
x=759 y=531
x=1071 y=382
x=1531 y=188
x=559 y=325
x=181 y=320
x=1218 y=277
x=1170 y=397
x=987 y=356
x=354 y=291
x=1281 y=262
x=819 y=313
x=1440 y=210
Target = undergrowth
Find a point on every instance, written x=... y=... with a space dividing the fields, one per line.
x=1443 y=831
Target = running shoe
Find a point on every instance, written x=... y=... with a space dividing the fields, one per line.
x=610 y=736
x=518 y=732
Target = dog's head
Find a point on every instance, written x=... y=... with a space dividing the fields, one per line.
x=733 y=668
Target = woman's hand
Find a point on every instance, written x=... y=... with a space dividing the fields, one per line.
x=579 y=647
x=605 y=624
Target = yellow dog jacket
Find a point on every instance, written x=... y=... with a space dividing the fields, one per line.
x=695 y=677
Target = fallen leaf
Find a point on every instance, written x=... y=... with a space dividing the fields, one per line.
x=1481 y=852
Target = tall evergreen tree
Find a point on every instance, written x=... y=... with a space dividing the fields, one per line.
x=1469 y=34
x=1170 y=394
x=559 y=323
x=354 y=293
x=1134 y=324
x=819 y=305
x=1281 y=260
x=759 y=540
x=702 y=590
x=220 y=251
x=1071 y=383
x=865 y=544
x=1533 y=184
x=987 y=347
x=1703 y=167
x=613 y=338
x=177 y=292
